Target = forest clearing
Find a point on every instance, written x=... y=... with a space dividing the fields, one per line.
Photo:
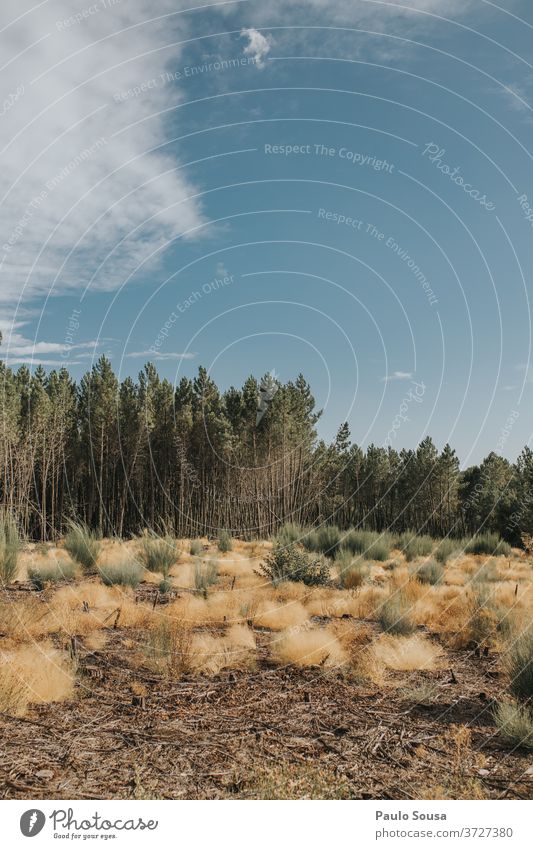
x=317 y=664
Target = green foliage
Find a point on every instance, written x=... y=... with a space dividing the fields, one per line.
x=430 y=572
x=290 y=563
x=372 y=545
x=225 y=542
x=515 y=724
x=518 y=662
x=487 y=544
x=414 y=546
x=445 y=549
x=51 y=573
x=205 y=575
x=127 y=574
x=326 y=539
x=196 y=547
x=165 y=586
x=83 y=546
x=395 y=617
x=290 y=532
x=9 y=548
x=158 y=554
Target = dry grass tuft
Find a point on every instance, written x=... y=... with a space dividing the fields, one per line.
x=34 y=674
x=406 y=653
x=318 y=647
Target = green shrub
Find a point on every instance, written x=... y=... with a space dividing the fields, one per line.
x=518 y=662
x=515 y=724
x=225 y=542
x=487 y=573
x=487 y=544
x=127 y=574
x=205 y=575
x=290 y=563
x=310 y=541
x=51 y=573
x=9 y=548
x=158 y=554
x=327 y=540
x=430 y=572
x=395 y=617
x=83 y=546
x=417 y=546
x=165 y=586
x=372 y=545
x=446 y=548
x=289 y=532
x=196 y=547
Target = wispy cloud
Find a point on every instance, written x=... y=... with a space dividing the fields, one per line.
x=397 y=375
x=163 y=355
x=81 y=170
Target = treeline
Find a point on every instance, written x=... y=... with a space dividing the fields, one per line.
x=192 y=460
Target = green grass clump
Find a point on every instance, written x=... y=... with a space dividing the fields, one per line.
x=165 y=586
x=414 y=546
x=487 y=544
x=327 y=540
x=225 y=542
x=158 y=554
x=289 y=532
x=196 y=547
x=290 y=563
x=445 y=549
x=9 y=548
x=515 y=724
x=127 y=574
x=395 y=618
x=83 y=546
x=518 y=662
x=430 y=572
x=205 y=575
x=51 y=573
x=372 y=545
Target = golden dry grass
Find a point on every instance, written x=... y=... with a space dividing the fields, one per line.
x=313 y=647
x=406 y=653
x=37 y=673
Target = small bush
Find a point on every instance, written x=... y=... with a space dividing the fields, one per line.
x=395 y=618
x=487 y=544
x=430 y=572
x=289 y=532
x=289 y=563
x=9 y=548
x=446 y=549
x=205 y=575
x=371 y=545
x=310 y=541
x=225 y=542
x=355 y=575
x=518 y=662
x=158 y=554
x=165 y=586
x=83 y=546
x=417 y=546
x=196 y=547
x=327 y=540
x=515 y=724
x=127 y=574
x=51 y=574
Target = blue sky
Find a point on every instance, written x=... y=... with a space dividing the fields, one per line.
x=357 y=177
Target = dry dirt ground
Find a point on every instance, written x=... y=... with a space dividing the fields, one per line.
x=265 y=729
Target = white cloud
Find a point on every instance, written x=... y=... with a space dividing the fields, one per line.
x=397 y=375
x=162 y=355
x=77 y=144
x=258 y=46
